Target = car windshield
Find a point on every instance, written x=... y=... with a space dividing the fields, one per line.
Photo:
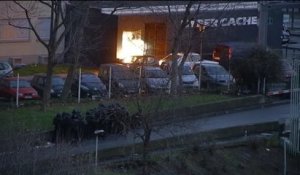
x=186 y=70
x=155 y=73
x=90 y=79
x=286 y=66
x=216 y=70
x=22 y=84
x=56 y=81
x=123 y=73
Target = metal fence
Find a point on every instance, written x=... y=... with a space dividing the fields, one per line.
x=294 y=137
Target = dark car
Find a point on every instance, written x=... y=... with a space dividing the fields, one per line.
x=123 y=80
x=8 y=89
x=39 y=81
x=146 y=60
x=154 y=79
x=91 y=86
x=213 y=74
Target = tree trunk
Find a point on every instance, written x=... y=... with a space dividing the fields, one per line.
x=68 y=82
x=175 y=46
x=174 y=73
x=76 y=50
x=146 y=142
x=48 y=84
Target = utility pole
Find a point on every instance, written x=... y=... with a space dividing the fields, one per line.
x=263 y=24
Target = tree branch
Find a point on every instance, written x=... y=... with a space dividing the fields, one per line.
x=20 y=27
x=31 y=25
x=45 y=3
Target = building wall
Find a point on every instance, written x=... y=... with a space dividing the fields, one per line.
x=219 y=28
x=135 y=23
x=22 y=43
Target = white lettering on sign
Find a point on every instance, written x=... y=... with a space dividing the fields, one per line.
x=230 y=21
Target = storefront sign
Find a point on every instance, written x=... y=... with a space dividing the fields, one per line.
x=230 y=21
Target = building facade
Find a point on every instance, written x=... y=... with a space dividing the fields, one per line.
x=20 y=46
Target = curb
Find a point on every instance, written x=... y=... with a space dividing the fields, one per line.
x=221 y=112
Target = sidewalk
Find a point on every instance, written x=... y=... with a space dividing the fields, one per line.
x=263 y=115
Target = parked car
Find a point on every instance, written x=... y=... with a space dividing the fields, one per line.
x=212 y=74
x=189 y=78
x=91 y=86
x=146 y=60
x=123 y=80
x=8 y=89
x=166 y=62
x=5 y=69
x=285 y=35
x=282 y=86
x=154 y=79
x=39 y=81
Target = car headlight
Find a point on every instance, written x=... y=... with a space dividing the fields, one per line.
x=84 y=87
x=196 y=82
x=160 y=62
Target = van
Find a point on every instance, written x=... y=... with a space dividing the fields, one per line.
x=166 y=62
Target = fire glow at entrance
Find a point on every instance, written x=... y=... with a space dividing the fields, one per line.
x=132 y=45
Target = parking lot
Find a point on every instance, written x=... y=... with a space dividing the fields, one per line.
x=116 y=81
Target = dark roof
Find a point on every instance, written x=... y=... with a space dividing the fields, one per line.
x=111 y=4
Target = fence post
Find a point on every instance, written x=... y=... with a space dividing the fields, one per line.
x=17 y=93
x=258 y=86
x=79 y=85
x=109 y=83
x=264 y=86
x=140 y=79
x=199 y=77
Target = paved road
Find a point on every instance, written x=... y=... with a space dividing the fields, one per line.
x=261 y=115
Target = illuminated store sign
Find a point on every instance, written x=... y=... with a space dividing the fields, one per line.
x=223 y=22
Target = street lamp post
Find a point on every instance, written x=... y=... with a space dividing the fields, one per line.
x=97 y=132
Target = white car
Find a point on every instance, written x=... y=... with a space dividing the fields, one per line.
x=5 y=69
x=285 y=35
x=166 y=62
x=189 y=79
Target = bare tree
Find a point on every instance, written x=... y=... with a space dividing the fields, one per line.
x=77 y=42
x=146 y=121
x=80 y=13
x=175 y=46
x=186 y=28
x=57 y=34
